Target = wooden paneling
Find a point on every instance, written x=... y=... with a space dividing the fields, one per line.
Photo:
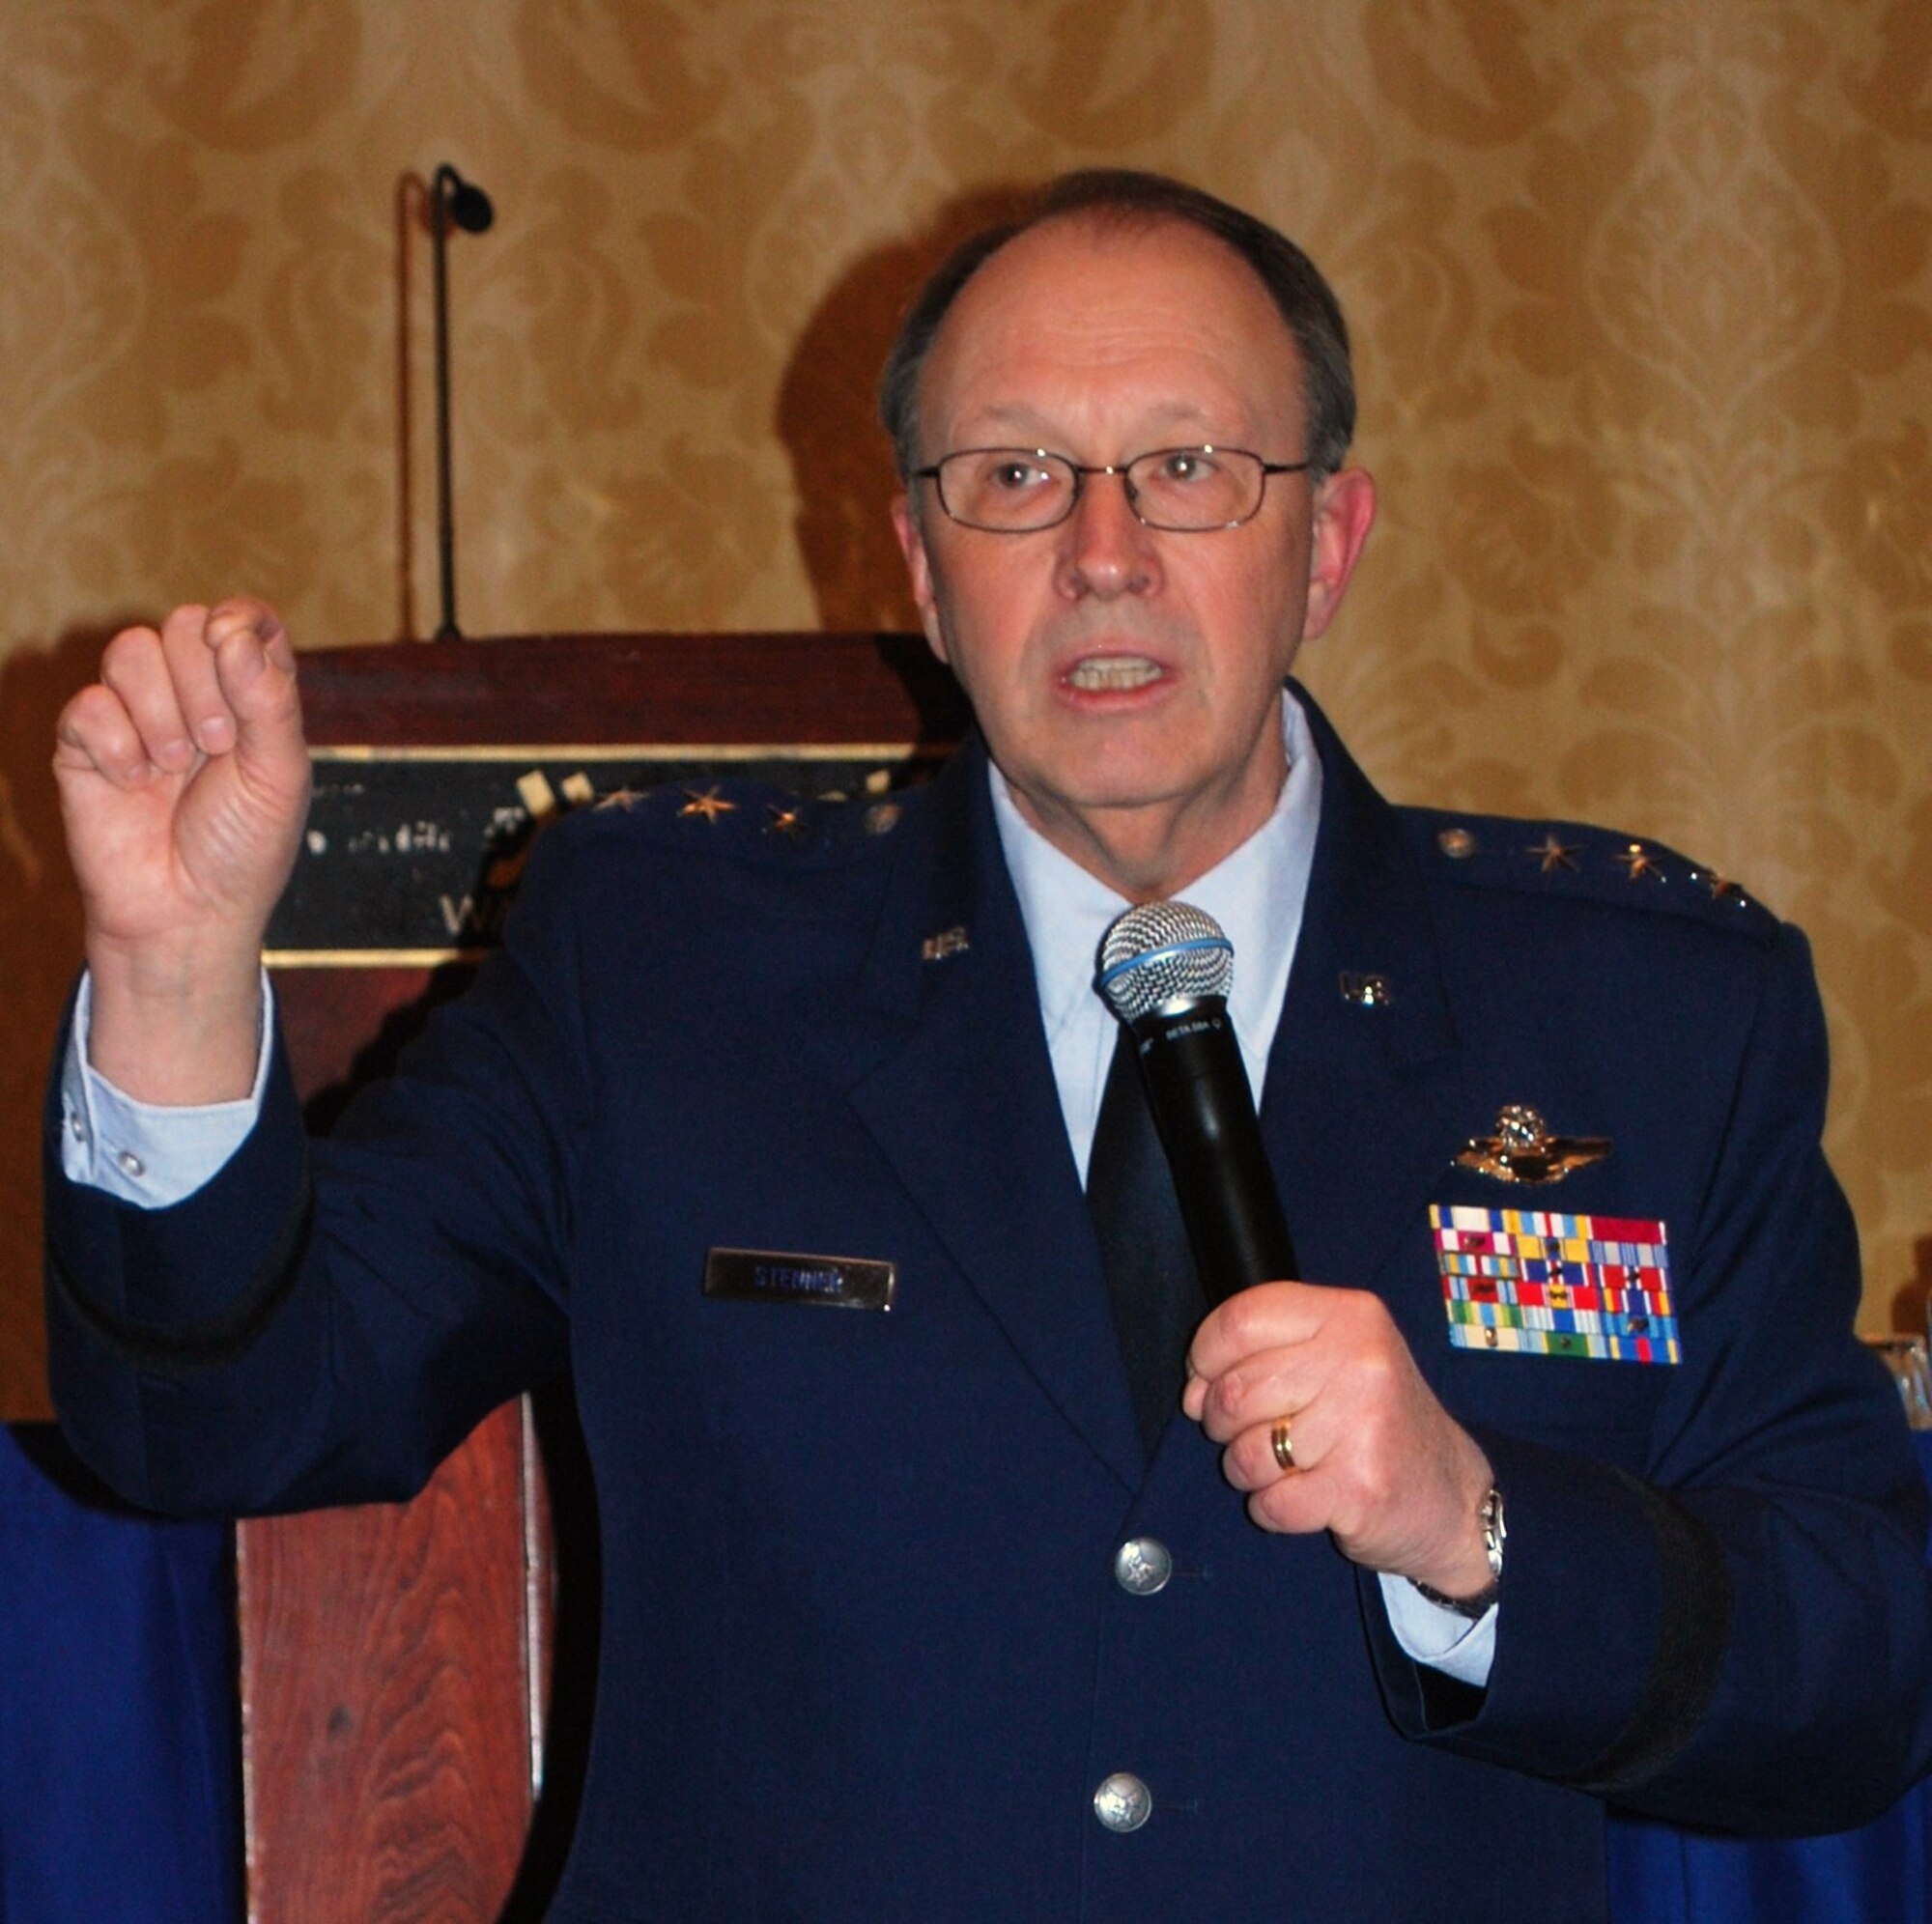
x=386 y=1688
x=633 y=688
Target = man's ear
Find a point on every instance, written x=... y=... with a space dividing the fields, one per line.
x=919 y=569
x=1343 y=512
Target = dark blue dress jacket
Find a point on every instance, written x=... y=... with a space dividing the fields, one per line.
x=865 y=1656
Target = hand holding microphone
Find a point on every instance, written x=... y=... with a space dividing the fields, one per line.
x=1325 y=1419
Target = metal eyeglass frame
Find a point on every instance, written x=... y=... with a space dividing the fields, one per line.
x=1080 y=471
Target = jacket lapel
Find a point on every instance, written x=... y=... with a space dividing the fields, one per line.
x=1362 y=1104
x=965 y=1108
x=1360 y=1114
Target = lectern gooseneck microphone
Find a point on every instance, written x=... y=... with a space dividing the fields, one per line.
x=1165 y=970
x=452 y=200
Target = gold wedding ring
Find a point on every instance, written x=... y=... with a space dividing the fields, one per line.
x=1283 y=1444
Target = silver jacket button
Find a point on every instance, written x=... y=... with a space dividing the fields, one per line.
x=1142 y=1565
x=1123 y=1803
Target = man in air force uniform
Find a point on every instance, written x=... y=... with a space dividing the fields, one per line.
x=1561 y=1480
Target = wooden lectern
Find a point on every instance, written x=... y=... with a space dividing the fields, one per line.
x=416 y=1679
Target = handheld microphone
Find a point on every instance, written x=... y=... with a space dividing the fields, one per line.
x=1165 y=970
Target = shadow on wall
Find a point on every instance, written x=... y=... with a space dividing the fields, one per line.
x=827 y=418
x=40 y=952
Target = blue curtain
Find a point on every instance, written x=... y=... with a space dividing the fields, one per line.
x=120 y=1781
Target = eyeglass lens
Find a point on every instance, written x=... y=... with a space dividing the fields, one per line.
x=1017 y=490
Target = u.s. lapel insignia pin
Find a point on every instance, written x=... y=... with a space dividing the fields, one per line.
x=1524 y=1148
x=947 y=942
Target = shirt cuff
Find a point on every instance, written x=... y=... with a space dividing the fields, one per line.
x=152 y=1156
x=1444 y=1640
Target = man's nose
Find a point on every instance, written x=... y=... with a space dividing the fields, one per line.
x=1106 y=549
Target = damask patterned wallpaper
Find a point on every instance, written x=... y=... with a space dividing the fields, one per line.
x=1644 y=318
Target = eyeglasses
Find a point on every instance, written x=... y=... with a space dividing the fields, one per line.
x=1178 y=490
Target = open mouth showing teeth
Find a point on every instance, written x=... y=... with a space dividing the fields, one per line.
x=1114 y=671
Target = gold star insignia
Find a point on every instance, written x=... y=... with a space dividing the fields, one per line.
x=1554 y=854
x=710 y=804
x=1638 y=861
x=622 y=798
x=1723 y=888
x=785 y=822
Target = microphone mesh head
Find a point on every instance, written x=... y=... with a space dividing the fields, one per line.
x=1162 y=953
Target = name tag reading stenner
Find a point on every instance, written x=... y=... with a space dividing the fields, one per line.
x=774 y=1276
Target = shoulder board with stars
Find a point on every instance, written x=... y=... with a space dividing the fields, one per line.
x=1572 y=859
x=750 y=820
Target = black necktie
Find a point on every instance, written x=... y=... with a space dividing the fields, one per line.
x=1150 y=1268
